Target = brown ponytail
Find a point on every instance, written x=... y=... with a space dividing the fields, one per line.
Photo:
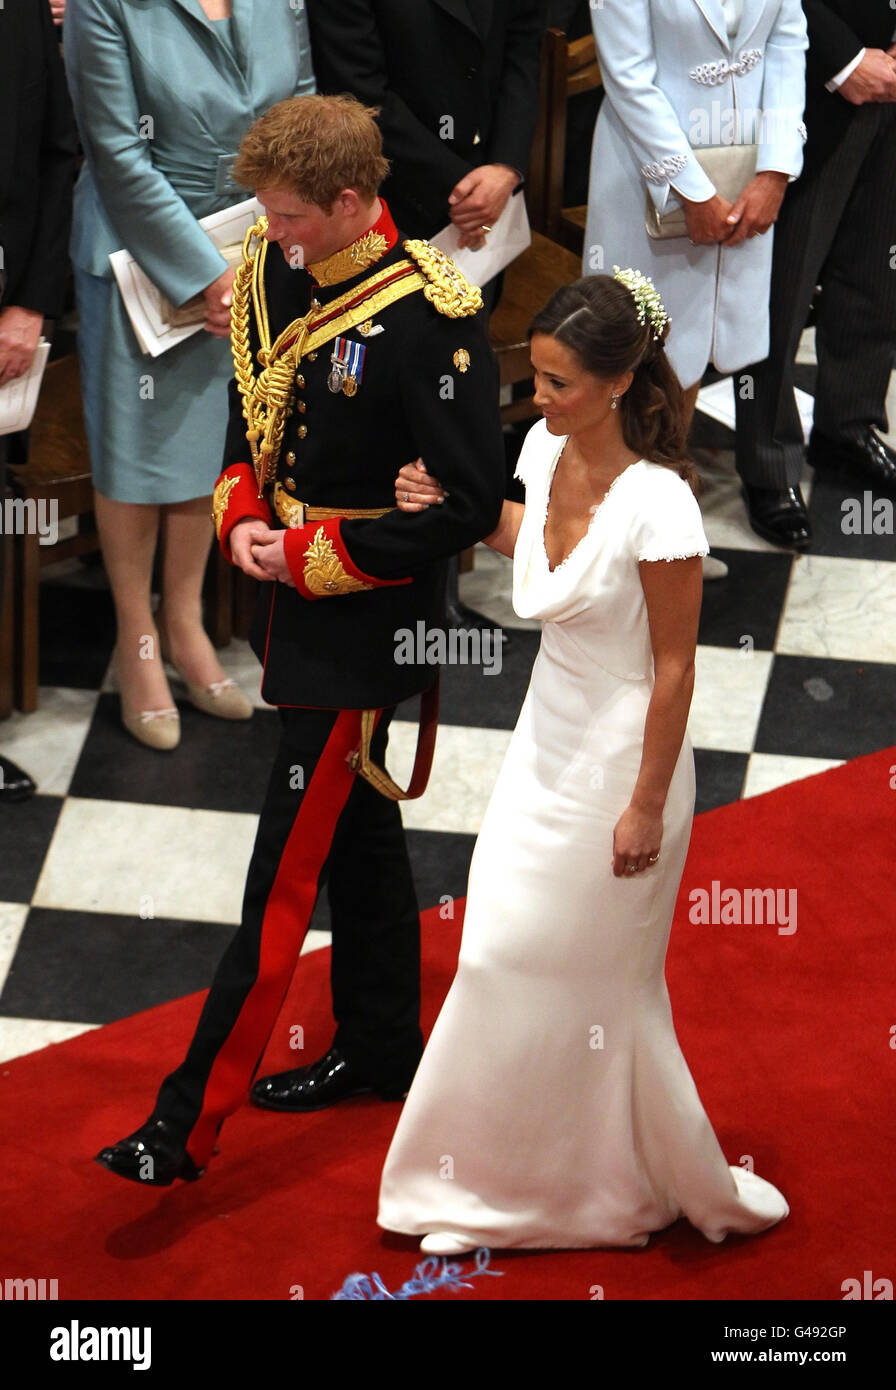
x=597 y=319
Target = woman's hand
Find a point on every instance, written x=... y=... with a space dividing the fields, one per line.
x=757 y=207
x=415 y=490
x=218 y=299
x=57 y=10
x=707 y=222
x=636 y=840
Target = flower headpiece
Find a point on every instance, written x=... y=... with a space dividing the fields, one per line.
x=647 y=298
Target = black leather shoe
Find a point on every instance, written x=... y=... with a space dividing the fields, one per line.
x=325 y=1082
x=15 y=785
x=461 y=615
x=778 y=515
x=152 y=1155
x=867 y=459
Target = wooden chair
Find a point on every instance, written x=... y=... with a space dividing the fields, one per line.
x=551 y=260
x=529 y=282
x=58 y=473
x=6 y=623
x=567 y=70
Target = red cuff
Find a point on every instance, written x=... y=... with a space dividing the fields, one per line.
x=236 y=498
x=321 y=565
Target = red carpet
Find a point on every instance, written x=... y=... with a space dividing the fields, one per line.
x=788 y=1036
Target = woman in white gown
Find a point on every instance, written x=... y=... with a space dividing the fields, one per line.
x=553 y=1106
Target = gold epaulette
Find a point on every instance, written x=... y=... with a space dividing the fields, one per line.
x=448 y=290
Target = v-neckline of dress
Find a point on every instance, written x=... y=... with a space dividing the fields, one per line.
x=595 y=511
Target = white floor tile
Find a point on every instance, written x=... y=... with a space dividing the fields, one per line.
x=840 y=608
x=12 y=920
x=48 y=743
x=488 y=588
x=316 y=941
x=464 y=770
x=121 y=856
x=728 y=695
x=769 y=770
x=21 y=1035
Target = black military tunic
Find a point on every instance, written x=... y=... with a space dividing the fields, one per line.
x=428 y=387
x=383 y=359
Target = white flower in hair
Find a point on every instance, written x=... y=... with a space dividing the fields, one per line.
x=646 y=296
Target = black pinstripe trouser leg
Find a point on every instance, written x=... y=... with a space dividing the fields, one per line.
x=837 y=228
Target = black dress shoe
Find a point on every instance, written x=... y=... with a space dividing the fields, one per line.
x=867 y=458
x=15 y=785
x=325 y=1082
x=461 y=615
x=778 y=515
x=152 y=1155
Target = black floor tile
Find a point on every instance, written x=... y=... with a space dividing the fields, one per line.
x=747 y=603
x=440 y=862
x=220 y=765
x=868 y=508
x=77 y=634
x=490 y=701
x=822 y=708
x=720 y=777
x=26 y=829
x=91 y=967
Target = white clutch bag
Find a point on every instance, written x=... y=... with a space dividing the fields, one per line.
x=730 y=167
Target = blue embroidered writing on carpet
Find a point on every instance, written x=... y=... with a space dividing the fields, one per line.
x=427 y=1277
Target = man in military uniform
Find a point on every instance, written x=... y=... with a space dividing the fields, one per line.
x=354 y=352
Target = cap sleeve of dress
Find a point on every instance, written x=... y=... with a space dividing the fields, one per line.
x=535 y=455
x=667 y=523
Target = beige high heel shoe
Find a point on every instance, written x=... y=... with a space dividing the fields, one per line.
x=223 y=698
x=156 y=728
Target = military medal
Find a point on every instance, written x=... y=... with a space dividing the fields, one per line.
x=347 y=367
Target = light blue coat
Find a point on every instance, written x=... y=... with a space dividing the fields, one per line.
x=674 y=80
x=161 y=107
x=162 y=104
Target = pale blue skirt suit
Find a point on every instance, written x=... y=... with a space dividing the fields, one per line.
x=163 y=97
x=680 y=74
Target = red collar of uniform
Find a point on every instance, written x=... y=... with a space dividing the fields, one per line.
x=362 y=253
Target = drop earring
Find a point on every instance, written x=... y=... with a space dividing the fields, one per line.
x=614 y=401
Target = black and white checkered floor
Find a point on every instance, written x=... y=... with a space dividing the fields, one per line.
x=121 y=881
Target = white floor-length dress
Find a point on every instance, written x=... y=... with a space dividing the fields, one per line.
x=552 y=1105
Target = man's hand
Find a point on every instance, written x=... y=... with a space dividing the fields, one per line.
x=757 y=207
x=243 y=538
x=19 y=337
x=218 y=299
x=707 y=222
x=57 y=10
x=479 y=199
x=269 y=554
x=873 y=80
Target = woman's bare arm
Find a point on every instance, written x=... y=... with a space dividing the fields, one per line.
x=415 y=490
x=673 y=591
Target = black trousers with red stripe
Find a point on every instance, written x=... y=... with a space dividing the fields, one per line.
x=320 y=824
